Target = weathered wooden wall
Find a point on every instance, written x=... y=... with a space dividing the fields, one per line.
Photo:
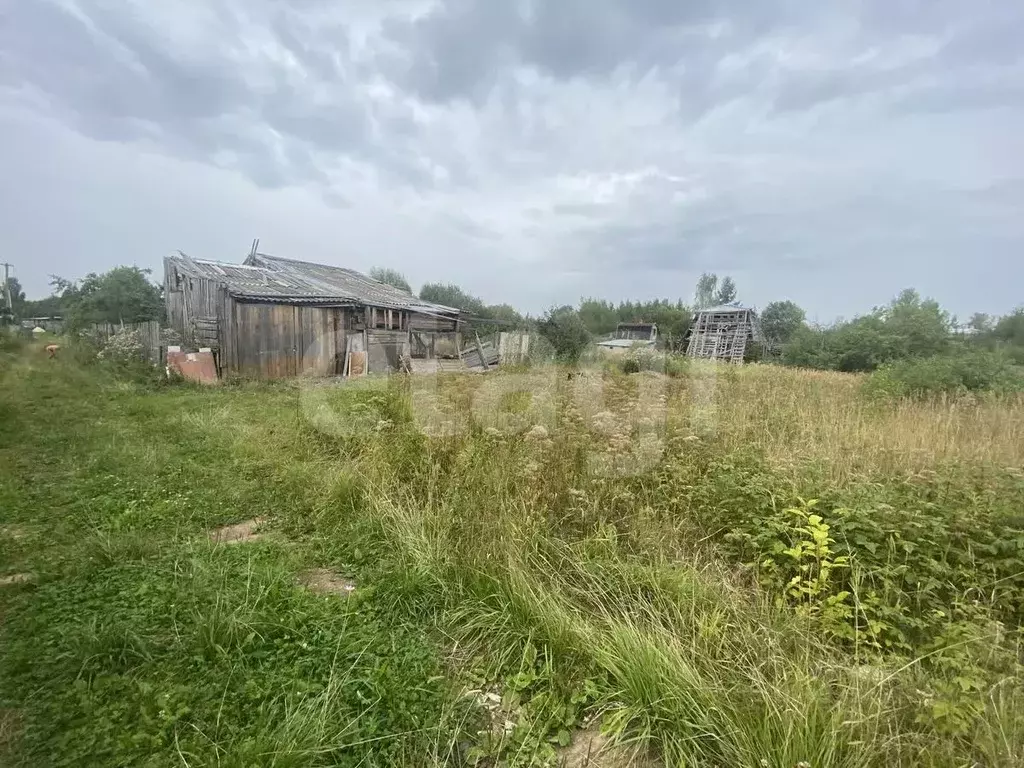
x=197 y=308
x=149 y=335
x=513 y=347
x=280 y=340
x=432 y=323
x=385 y=349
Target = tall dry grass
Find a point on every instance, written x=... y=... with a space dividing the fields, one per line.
x=797 y=416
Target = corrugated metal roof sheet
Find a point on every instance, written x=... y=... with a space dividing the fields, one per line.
x=271 y=278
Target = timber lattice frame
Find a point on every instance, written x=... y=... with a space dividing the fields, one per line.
x=722 y=333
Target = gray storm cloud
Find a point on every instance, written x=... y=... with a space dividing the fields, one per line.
x=532 y=151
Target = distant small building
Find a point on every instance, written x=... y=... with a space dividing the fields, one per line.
x=273 y=318
x=637 y=331
x=722 y=332
x=630 y=336
x=51 y=324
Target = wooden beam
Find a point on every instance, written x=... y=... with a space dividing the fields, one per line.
x=480 y=349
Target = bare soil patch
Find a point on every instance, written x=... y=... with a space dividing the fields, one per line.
x=591 y=749
x=327 y=582
x=238 y=533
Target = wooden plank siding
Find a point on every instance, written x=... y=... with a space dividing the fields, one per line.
x=385 y=349
x=195 y=308
x=432 y=323
x=227 y=355
x=286 y=340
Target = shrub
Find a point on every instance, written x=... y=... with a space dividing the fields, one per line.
x=566 y=332
x=642 y=359
x=541 y=350
x=907 y=328
x=123 y=347
x=677 y=365
x=125 y=355
x=83 y=350
x=967 y=371
x=11 y=340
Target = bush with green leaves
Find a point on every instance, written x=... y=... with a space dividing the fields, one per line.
x=11 y=340
x=122 y=295
x=641 y=358
x=965 y=370
x=908 y=327
x=122 y=347
x=565 y=330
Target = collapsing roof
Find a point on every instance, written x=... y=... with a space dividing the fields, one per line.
x=722 y=332
x=273 y=279
x=625 y=343
x=720 y=308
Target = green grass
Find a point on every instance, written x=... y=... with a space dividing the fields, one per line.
x=700 y=608
x=141 y=642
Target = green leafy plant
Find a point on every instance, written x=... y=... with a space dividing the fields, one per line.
x=966 y=371
x=796 y=557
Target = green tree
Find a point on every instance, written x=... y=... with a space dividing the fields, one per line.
x=504 y=317
x=391 y=277
x=916 y=327
x=451 y=295
x=672 y=318
x=780 y=320
x=862 y=344
x=909 y=327
x=565 y=330
x=122 y=295
x=810 y=347
x=599 y=316
x=857 y=345
x=707 y=290
x=1010 y=328
x=726 y=293
x=66 y=289
x=711 y=291
x=51 y=306
x=981 y=323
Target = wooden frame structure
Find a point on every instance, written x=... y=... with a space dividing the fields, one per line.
x=722 y=333
x=276 y=318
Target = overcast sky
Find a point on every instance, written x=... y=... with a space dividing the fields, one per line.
x=532 y=151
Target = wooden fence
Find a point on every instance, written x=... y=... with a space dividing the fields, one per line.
x=513 y=347
x=149 y=335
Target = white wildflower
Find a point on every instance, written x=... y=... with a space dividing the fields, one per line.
x=539 y=432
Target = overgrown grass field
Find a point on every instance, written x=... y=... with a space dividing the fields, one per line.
x=749 y=566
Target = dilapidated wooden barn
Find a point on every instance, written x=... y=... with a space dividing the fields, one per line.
x=273 y=318
x=722 y=332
